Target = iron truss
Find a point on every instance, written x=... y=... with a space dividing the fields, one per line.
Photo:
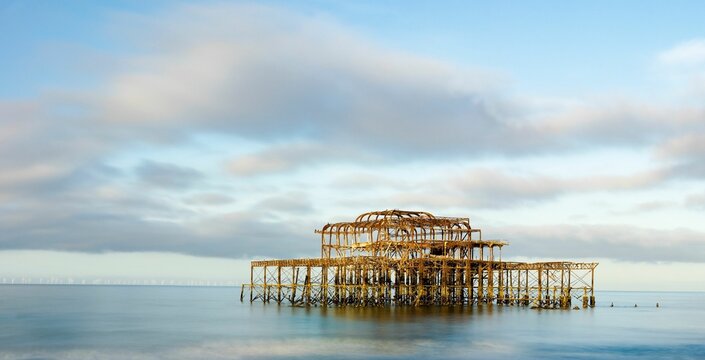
x=396 y=257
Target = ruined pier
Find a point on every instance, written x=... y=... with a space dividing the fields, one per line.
x=396 y=257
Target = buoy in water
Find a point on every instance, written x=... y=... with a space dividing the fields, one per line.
x=656 y=304
x=634 y=305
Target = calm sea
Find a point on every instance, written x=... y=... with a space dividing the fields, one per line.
x=121 y=322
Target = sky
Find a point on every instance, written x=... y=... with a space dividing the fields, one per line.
x=180 y=140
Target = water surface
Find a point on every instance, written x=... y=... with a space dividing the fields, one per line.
x=119 y=322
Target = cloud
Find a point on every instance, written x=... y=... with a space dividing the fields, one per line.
x=687 y=145
x=483 y=187
x=311 y=79
x=31 y=174
x=618 y=242
x=649 y=206
x=165 y=175
x=278 y=159
x=686 y=155
x=288 y=203
x=40 y=148
x=690 y=52
x=89 y=229
x=309 y=92
x=500 y=187
x=286 y=158
x=696 y=201
x=302 y=77
x=209 y=199
x=254 y=233
x=315 y=92
x=684 y=66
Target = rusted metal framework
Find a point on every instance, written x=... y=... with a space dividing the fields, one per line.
x=396 y=257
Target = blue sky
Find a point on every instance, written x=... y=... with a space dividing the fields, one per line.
x=543 y=46
x=212 y=133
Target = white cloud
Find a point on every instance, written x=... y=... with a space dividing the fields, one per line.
x=169 y=90
x=687 y=145
x=696 y=201
x=619 y=242
x=209 y=199
x=23 y=263
x=166 y=175
x=690 y=52
x=309 y=92
x=31 y=174
x=484 y=187
x=277 y=159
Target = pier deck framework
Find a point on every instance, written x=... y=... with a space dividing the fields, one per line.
x=396 y=257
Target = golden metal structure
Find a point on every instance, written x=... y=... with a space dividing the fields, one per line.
x=396 y=257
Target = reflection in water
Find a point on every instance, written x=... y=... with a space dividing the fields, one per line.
x=402 y=315
x=64 y=322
